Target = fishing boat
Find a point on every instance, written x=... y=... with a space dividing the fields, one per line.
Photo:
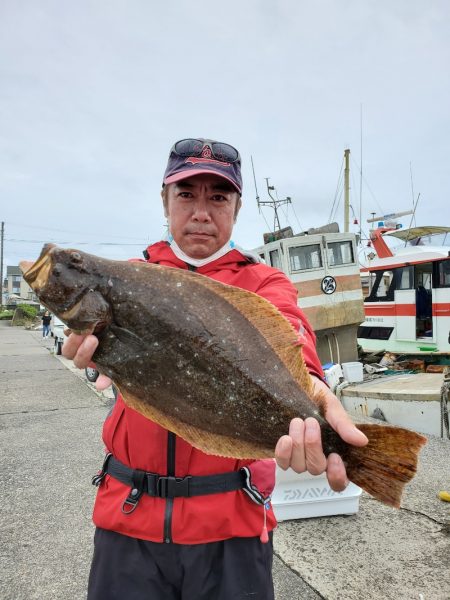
x=407 y=322
x=407 y=303
x=323 y=265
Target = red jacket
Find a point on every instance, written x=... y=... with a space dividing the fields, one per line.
x=141 y=444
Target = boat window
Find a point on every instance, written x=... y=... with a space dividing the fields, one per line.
x=305 y=257
x=424 y=276
x=444 y=274
x=374 y=333
x=383 y=287
x=340 y=253
x=275 y=258
x=404 y=278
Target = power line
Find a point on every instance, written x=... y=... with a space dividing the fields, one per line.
x=59 y=230
x=16 y=241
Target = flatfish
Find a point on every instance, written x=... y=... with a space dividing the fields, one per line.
x=217 y=365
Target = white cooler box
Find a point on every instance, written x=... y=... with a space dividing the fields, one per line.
x=300 y=496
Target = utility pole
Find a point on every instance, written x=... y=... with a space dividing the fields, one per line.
x=2 y=234
x=347 y=191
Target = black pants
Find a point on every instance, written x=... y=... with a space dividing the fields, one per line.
x=125 y=568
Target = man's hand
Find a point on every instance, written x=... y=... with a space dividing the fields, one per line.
x=80 y=349
x=302 y=448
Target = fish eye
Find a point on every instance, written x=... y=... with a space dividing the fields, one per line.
x=75 y=257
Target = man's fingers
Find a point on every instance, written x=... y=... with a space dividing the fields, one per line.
x=102 y=382
x=302 y=449
x=344 y=426
x=71 y=345
x=283 y=452
x=316 y=463
x=297 y=434
x=336 y=415
x=351 y=434
x=84 y=355
x=336 y=475
x=80 y=349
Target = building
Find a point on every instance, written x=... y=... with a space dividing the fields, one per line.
x=17 y=288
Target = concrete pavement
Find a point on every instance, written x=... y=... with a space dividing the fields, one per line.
x=50 y=425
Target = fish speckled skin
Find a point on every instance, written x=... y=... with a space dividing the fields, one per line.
x=177 y=344
x=219 y=366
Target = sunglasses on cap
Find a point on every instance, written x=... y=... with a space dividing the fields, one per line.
x=206 y=149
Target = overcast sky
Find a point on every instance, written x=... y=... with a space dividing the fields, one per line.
x=93 y=94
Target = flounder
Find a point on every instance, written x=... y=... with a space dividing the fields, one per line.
x=217 y=365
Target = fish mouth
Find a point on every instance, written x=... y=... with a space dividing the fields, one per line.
x=36 y=274
x=71 y=316
x=72 y=311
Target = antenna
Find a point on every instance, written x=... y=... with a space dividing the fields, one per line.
x=254 y=179
x=412 y=183
x=274 y=203
x=346 y=190
x=257 y=195
x=413 y=214
x=412 y=186
x=360 y=174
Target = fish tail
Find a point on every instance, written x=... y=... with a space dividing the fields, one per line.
x=387 y=463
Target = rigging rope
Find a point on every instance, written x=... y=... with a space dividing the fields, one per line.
x=333 y=217
x=295 y=215
x=338 y=186
x=368 y=187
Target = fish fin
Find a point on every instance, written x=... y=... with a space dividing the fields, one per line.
x=387 y=463
x=210 y=443
x=273 y=326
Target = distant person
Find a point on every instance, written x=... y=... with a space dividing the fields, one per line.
x=46 y=320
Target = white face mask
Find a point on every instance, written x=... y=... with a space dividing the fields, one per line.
x=199 y=262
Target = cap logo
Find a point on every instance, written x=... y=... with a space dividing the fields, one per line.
x=206 y=152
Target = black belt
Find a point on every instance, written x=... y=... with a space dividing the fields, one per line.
x=162 y=486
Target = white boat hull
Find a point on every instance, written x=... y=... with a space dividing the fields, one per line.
x=411 y=400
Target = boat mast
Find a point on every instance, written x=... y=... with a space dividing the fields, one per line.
x=347 y=191
x=274 y=203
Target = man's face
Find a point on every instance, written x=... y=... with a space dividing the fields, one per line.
x=201 y=211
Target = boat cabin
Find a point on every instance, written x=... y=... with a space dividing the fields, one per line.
x=324 y=269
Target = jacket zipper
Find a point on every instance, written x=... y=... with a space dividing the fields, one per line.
x=171 y=441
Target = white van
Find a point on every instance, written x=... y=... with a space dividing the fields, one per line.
x=58 y=334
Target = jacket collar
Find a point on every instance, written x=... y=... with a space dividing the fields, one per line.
x=161 y=253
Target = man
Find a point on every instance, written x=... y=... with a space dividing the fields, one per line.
x=158 y=541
